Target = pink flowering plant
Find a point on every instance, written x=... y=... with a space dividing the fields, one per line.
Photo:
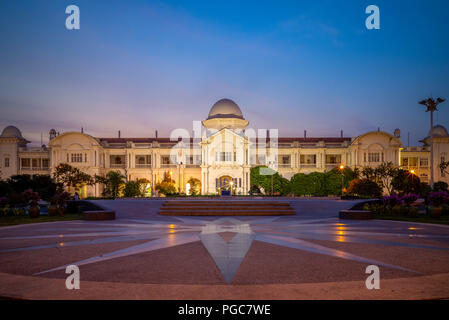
x=408 y=199
x=391 y=201
x=31 y=197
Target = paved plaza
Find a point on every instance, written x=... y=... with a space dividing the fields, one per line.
x=311 y=255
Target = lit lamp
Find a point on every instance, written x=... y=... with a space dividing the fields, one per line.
x=231 y=184
x=342 y=167
x=412 y=171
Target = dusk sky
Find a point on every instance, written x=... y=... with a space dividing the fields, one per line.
x=138 y=66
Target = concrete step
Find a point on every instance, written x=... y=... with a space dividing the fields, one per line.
x=227 y=213
x=225 y=208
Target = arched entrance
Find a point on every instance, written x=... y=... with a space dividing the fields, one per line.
x=224 y=185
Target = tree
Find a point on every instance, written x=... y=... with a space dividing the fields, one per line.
x=385 y=174
x=443 y=166
x=132 y=189
x=195 y=186
x=332 y=180
x=115 y=182
x=280 y=184
x=312 y=184
x=44 y=185
x=143 y=183
x=70 y=176
x=431 y=106
x=368 y=173
x=406 y=182
x=167 y=185
x=298 y=184
x=365 y=188
x=440 y=186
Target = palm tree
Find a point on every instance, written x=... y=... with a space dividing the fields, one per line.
x=431 y=106
x=115 y=181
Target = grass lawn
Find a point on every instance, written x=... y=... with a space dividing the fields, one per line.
x=421 y=218
x=9 y=221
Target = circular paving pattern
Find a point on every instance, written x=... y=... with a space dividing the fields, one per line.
x=310 y=255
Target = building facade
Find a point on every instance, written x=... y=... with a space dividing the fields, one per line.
x=220 y=154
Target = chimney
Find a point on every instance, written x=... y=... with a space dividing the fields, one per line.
x=155 y=133
x=82 y=130
x=305 y=134
x=119 y=134
x=341 y=133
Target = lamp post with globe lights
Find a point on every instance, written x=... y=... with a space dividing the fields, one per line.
x=431 y=106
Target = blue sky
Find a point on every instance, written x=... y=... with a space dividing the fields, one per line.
x=138 y=66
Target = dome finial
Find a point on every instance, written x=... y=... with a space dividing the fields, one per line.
x=225 y=108
x=11 y=132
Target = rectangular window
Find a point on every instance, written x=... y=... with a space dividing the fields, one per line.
x=424 y=162
x=223 y=156
x=117 y=159
x=333 y=158
x=413 y=161
x=189 y=160
x=25 y=162
x=404 y=162
x=6 y=162
x=45 y=163
x=165 y=159
x=144 y=160
x=36 y=163
x=285 y=160
x=308 y=159
x=77 y=157
x=373 y=157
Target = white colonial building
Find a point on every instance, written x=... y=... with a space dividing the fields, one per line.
x=221 y=153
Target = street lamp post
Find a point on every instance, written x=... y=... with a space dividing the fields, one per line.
x=152 y=184
x=431 y=106
x=342 y=168
x=231 y=184
x=179 y=177
x=272 y=174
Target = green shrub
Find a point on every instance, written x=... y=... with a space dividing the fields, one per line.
x=413 y=212
x=376 y=208
x=281 y=185
x=132 y=189
x=445 y=209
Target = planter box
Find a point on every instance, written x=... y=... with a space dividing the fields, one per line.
x=355 y=215
x=99 y=215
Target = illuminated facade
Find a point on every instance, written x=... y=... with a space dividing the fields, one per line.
x=221 y=153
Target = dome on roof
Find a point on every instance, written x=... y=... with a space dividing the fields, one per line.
x=225 y=108
x=439 y=131
x=11 y=132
